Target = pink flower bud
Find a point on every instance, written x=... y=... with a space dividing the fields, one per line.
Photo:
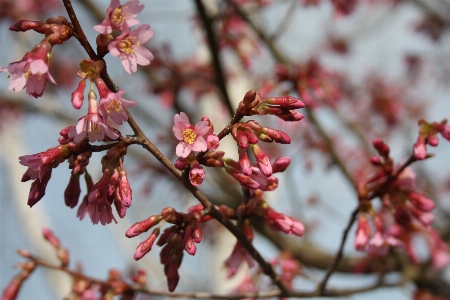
x=73 y=191
x=277 y=135
x=189 y=247
x=24 y=25
x=242 y=178
x=241 y=139
x=249 y=97
x=262 y=160
x=419 y=148
x=143 y=226
x=211 y=126
x=244 y=162
x=362 y=233
x=126 y=194
x=381 y=147
x=421 y=201
x=197 y=233
x=288 y=102
x=12 y=289
x=146 y=245
x=251 y=137
x=213 y=159
x=212 y=141
x=376 y=161
x=78 y=94
x=180 y=163
x=432 y=140
x=280 y=164
x=50 y=237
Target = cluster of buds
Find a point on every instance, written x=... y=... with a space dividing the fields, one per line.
x=428 y=135
x=404 y=211
x=181 y=236
x=251 y=176
x=248 y=134
x=282 y=107
x=112 y=188
x=32 y=71
x=199 y=138
x=128 y=44
x=258 y=207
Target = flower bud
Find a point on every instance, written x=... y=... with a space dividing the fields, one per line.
x=280 y=164
x=146 y=245
x=73 y=191
x=143 y=226
x=262 y=160
x=50 y=237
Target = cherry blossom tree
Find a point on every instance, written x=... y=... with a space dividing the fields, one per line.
x=275 y=125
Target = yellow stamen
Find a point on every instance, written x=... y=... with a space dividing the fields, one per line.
x=189 y=136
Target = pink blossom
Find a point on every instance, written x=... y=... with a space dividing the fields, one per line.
x=420 y=150
x=101 y=211
x=117 y=15
x=112 y=104
x=380 y=243
x=196 y=175
x=31 y=72
x=212 y=141
x=237 y=257
x=128 y=46
x=40 y=162
x=93 y=125
x=190 y=137
x=265 y=183
x=362 y=233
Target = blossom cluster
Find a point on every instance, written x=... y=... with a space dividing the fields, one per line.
x=128 y=44
x=32 y=71
x=405 y=212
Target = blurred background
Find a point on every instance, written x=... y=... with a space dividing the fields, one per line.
x=369 y=70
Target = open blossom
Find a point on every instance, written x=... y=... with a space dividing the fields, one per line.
x=128 y=46
x=117 y=15
x=191 y=137
x=196 y=175
x=31 y=72
x=237 y=257
x=93 y=125
x=112 y=104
